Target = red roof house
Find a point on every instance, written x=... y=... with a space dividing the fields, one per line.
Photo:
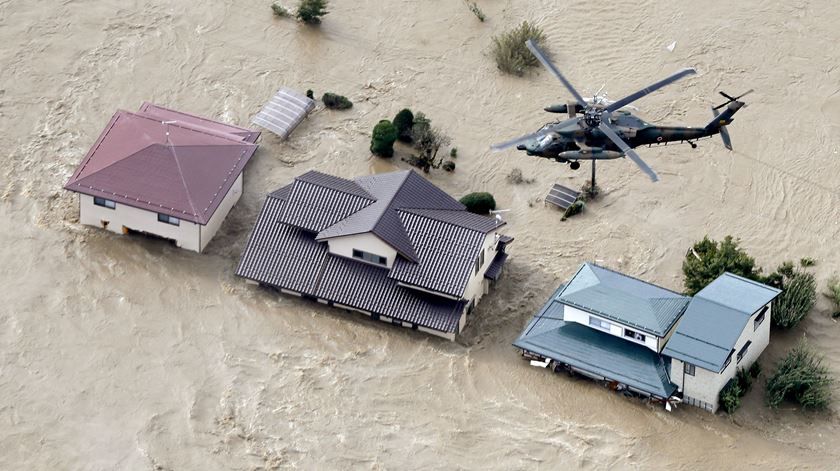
x=183 y=168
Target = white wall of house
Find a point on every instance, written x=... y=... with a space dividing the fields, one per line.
x=478 y=286
x=573 y=314
x=705 y=385
x=186 y=235
x=231 y=198
x=367 y=242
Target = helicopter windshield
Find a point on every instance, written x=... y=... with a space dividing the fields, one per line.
x=546 y=140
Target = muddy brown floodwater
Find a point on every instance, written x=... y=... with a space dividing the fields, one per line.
x=127 y=353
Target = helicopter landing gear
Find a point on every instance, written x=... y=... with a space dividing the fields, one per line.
x=692 y=144
x=574 y=165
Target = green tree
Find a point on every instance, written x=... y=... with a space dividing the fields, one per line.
x=800 y=377
x=311 y=11
x=708 y=259
x=479 y=202
x=404 y=120
x=382 y=141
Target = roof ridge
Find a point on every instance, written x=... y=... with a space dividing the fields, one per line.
x=188 y=126
x=635 y=278
x=752 y=282
x=171 y=148
x=369 y=196
x=391 y=201
x=720 y=304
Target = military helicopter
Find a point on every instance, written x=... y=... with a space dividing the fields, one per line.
x=601 y=130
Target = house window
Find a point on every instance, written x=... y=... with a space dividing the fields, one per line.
x=688 y=368
x=599 y=324
x=760 y=318
x=634 y=335
x=479 y=262
x=104 y=203
x=743 y=350
x=169 y=219
x=369 y=257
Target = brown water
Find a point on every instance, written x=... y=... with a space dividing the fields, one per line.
x=126 y=353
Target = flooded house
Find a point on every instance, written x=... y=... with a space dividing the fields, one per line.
x=163 y=173
x=645 y=339
x=392 y=246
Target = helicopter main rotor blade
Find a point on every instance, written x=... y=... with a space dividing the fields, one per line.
x=515 y=141
x=618 y=141
x=551 y=68
x=530 y=137
x=645 y=91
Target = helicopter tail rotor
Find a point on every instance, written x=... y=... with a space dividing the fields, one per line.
x=730 y=99
x=724 y=133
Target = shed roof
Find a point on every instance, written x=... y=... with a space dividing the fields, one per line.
x=594 y=351
x=174 y=167
x=715 y=319
x=624 y=299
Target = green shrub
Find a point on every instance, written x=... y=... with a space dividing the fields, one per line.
x=730 y=396
x=476 y=11
x=510 y=52
x=833 y=294
x=404 y=120
x=428 y=141
x=807 y=262
x=800 y=377
x=310 y=94
x=744 y=379
x=575 y=208
x=453 y=153
x=755 y=370
x=799 y=292
x=479 y=203
x=311 y=11
x=449 y=166
x=280 y=10
x=382 y=141
x=336 y=102
x=708 y=259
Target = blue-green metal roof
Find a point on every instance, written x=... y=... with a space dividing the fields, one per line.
x=594 y=351
x=624 y=299
x=715 y=319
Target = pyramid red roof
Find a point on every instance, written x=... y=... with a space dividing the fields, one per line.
x=165 y=161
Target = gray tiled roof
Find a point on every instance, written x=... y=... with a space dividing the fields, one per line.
x=446 y=255
x=594 y=351
x=436 y=237
x=281 y=255
x=715 y=319
x=494 y=271
x=367 y=287
x=315 y=207
x=283 y=252
x=624 y=299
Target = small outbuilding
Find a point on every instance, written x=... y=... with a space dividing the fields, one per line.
x=163 y=172
x=392 y=246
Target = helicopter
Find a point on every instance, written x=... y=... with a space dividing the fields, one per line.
x=599 y=129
